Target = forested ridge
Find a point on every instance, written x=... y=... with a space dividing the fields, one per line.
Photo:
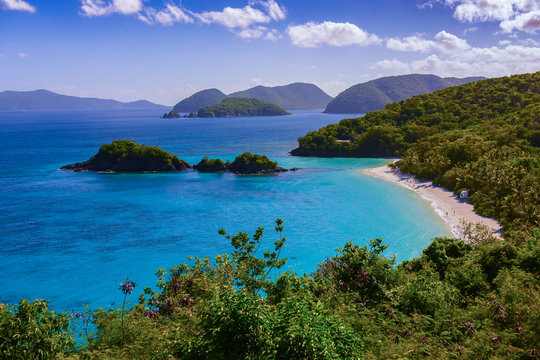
x=457 y=300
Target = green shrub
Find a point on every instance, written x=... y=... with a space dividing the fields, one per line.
x=30 y=330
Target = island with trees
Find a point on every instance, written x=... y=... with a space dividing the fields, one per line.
x=173 y=114
x=129 y=156
x=242 y=107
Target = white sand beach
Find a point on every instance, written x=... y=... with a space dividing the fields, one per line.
x=447 y=205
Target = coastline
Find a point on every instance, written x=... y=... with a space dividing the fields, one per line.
x=445 y=203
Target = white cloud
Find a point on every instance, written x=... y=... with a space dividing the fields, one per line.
x=470 y=30
x=443 y=41
x=235 y=17
x=394 y=64
x=520 y=15
x=23 y=55
x=273 y=35
x=259 y=32
x=241 y=21
x=168 y=16
x=492 y=61
x=96 y=8
x=449 y=42
x=274 y=10
x=411 y=43
x=127 y=6
x=18 y=5
x=252 y=33
x=314 y=34
x=528 y=22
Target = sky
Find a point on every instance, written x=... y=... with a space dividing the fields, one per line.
x=166 y=50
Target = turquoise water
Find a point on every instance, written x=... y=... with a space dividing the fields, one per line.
x=72 y=237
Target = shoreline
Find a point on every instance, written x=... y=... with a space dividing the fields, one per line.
x=452 y=210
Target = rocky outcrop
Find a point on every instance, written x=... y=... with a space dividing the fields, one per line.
x=211 y=165
x=254 y=164
x=173 y=114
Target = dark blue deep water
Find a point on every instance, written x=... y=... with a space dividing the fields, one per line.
x=72 y=237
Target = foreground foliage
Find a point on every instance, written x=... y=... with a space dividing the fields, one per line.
x=474 y=301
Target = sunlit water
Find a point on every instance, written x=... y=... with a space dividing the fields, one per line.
x=72 y=237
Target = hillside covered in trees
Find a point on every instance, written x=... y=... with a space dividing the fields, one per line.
x=375 y=94
x=473 y=300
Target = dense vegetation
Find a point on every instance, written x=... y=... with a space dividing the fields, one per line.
x=244 y=164
x=248 y=163
x=293 y=96
x=242 y=107
x=482 y=136
x=474 y=300
x=375 y=94
x=211 y=165
x=199 y=100
x=127 y=156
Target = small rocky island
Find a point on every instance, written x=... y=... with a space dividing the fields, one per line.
x=242 y=107
x=128 y=156
x=254 y=164
x=244 y=164
x=173 y=114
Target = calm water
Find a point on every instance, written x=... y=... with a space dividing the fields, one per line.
x=72 y=237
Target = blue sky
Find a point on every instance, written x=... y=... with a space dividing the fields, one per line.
x=165 y=50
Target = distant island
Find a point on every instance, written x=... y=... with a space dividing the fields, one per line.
x=242 y=107
x=48 y=100
x=296 y=96
x=200 y=100
x=129 y=156
x=375 y=94
x=173 y=114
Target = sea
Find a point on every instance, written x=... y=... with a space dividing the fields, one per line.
x=71 y=238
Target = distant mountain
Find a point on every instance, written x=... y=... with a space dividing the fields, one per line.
x=242 y=107
x=48 y=100
x=296 y=96
x=375 y=94
x=200 y=100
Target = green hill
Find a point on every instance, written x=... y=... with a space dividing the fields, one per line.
x=391 y=131
x=297 y=96
x=375 y=94
x=48 y=100
x=199 y=100
x=242 y=107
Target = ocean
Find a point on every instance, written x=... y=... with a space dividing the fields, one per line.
x=72 y=238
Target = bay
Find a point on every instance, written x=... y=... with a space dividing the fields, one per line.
x=72 y=238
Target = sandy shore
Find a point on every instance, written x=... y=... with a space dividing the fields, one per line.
x=447 y=205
